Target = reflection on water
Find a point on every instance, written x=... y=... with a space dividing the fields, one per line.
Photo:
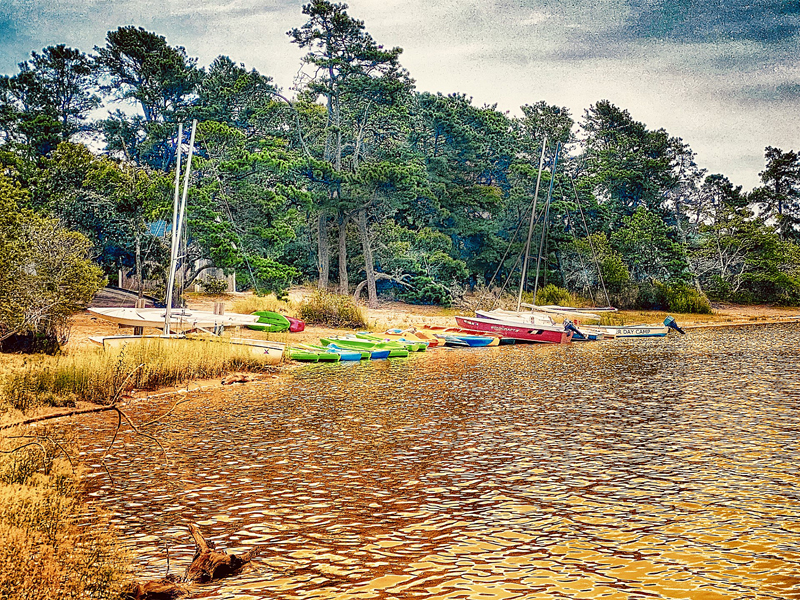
x=623 y=469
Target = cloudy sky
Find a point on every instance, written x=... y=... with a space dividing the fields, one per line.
x=721 y=74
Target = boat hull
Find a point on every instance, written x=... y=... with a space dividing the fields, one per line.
x=633 y=330
x=180 y=320
x=518 y=331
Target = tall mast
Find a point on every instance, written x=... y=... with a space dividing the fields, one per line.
x=530 y=227
x=176 y=199
x=544 y=222
x=177 y=223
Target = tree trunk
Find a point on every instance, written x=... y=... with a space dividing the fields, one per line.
x=323 y=251
x=344 y=283
x=363 y=233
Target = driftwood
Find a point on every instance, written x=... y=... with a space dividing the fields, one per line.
x=208 y=564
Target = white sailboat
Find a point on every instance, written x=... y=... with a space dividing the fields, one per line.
x=174 y=321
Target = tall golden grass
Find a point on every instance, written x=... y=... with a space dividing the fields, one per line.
x=50 y=545
x=333 y=310
x=98 y=376
x=251 y=304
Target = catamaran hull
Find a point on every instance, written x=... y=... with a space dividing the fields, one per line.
x=180 y=320
x=518 y=331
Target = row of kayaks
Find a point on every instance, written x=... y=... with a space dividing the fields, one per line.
x=393 y=343
x=487 y=332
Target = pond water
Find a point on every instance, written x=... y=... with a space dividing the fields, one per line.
x=640 y=468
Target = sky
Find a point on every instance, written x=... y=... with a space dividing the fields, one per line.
x=723 y=75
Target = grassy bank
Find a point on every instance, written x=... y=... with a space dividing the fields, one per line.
x=50 y=545
x=99 y=376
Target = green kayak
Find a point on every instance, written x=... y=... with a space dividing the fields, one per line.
x=302 y=354
x=395 y=349
x=270 y=321
x=410 y=345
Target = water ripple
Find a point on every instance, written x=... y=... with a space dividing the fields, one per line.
x=627 y=469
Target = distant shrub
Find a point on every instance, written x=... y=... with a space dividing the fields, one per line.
x=215 y=287
x=552 y=294
x=426 y=291
x=333 y=310
x=682 y=298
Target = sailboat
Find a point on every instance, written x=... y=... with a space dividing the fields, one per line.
x=177 y=322
x=517 y=325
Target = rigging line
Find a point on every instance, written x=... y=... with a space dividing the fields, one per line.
x=580 y=254
x=241 y=243
x=545 y=221
x=502 y=260
x=508 y=279
x=589 y=237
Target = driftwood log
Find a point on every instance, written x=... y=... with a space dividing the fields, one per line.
x=208 y=564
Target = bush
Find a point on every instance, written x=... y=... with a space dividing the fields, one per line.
x=552 y=294
x=333 y=310
x=215 y=287
x=675 y=297
x=426 y=291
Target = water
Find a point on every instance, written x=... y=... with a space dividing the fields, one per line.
x=621 y=469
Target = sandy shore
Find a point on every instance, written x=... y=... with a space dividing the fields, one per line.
x=401 y=315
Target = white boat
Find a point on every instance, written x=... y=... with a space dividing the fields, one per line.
x=179 y=319
x=271 y=352
x=630 y=330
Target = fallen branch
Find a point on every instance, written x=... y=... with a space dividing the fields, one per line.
x=208 y=564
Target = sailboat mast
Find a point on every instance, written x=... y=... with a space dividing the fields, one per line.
x=544 y=222
x=530 y=227
x=175 y=200
x=177 y=225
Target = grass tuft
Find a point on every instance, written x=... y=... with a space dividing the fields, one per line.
x=251 y=304
x=333 y=310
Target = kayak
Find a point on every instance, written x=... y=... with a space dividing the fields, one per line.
x=303 y=355
x=395 y=349
x=270 y=321
x=411 y=335
x=410 y=345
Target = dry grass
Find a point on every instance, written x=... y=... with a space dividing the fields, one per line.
x=98 y=376
x=251 y=304
x=332 y=310
x=50 y=547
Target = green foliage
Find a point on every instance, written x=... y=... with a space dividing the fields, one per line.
x=645 y=241
x=683 y=298
x=46 y=273
x=552 y=294
x=332 y=310
x=424 y=290
x=214 y=287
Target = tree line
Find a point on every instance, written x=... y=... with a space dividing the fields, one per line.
x=360 y=178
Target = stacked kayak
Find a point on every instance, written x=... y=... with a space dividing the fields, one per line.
x=458 y=336
x=408 y=344
x=395 y=348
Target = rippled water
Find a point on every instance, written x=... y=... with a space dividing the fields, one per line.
x=621 y=469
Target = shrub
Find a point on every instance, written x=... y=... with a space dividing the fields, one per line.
x=426 y=291
x=683 y=298
x=215 y=287
x=552 y=294
x=333 y=310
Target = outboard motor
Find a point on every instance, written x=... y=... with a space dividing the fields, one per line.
x=672 y=324
x=570 y=326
